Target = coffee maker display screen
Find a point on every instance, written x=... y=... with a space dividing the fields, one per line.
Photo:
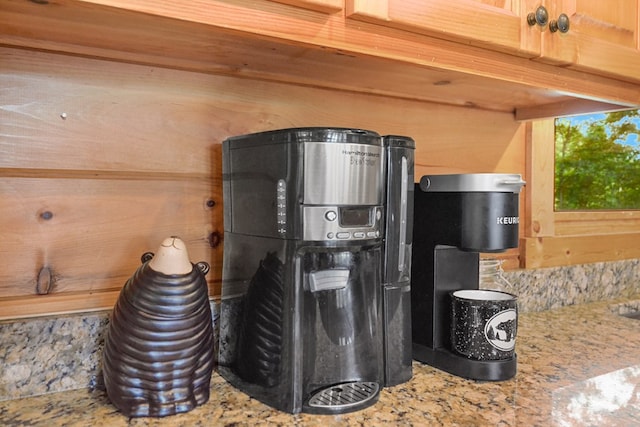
x=355 y=217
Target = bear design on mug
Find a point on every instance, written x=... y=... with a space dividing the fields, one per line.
x=500 y=330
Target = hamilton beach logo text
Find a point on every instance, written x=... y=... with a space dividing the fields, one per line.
x=360 y=158
x=508 y=220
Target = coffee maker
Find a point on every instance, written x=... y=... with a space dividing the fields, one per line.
x=457 y=217
x=302 y=324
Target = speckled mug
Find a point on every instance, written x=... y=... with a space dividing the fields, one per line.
x=484 y=324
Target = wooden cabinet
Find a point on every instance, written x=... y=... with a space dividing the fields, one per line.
x=603 y=37
x=497 y=24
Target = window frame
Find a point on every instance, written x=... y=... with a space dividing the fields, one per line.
x=567 y=238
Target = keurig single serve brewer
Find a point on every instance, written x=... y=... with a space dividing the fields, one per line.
x=304 y=308
x=455 y=218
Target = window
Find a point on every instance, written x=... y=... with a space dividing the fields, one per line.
x=597 y=161
x=566 y=237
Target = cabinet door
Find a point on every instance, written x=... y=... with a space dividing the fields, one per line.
x=496 y=24
x=603 y=37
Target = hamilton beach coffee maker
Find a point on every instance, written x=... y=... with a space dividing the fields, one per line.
x=302 y=325
x=456 y=218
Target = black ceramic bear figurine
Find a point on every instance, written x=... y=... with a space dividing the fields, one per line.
x=158 y=354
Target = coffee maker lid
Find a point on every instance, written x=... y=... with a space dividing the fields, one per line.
x=399 y=141
x=308 y=134
x=472 y=182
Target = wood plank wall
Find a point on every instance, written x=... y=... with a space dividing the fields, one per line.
x=99 y=161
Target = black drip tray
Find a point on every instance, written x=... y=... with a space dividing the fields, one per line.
x=344 y=396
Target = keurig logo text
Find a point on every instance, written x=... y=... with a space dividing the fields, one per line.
x=508 y=220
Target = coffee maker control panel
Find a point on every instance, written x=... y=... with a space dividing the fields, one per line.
x=340 y=223
x=281 y=206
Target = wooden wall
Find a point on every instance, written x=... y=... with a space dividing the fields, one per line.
x=99 y=161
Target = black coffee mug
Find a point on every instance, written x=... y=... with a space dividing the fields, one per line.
x=484 y=324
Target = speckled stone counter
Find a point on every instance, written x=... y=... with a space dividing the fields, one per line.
x=577 y=365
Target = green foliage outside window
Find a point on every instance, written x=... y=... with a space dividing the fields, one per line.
x=597 y=161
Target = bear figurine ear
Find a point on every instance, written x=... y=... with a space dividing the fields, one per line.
x=204 y=267
x=146 y=257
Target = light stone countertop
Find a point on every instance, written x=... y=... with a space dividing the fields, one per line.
x=577 y=365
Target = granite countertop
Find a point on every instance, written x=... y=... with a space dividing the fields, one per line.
x=577 y=365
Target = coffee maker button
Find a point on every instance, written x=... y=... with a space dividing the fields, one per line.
x=343 y=235
x=329 y=235
x=330 y=215
x=359 y=235
x=372 y=234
